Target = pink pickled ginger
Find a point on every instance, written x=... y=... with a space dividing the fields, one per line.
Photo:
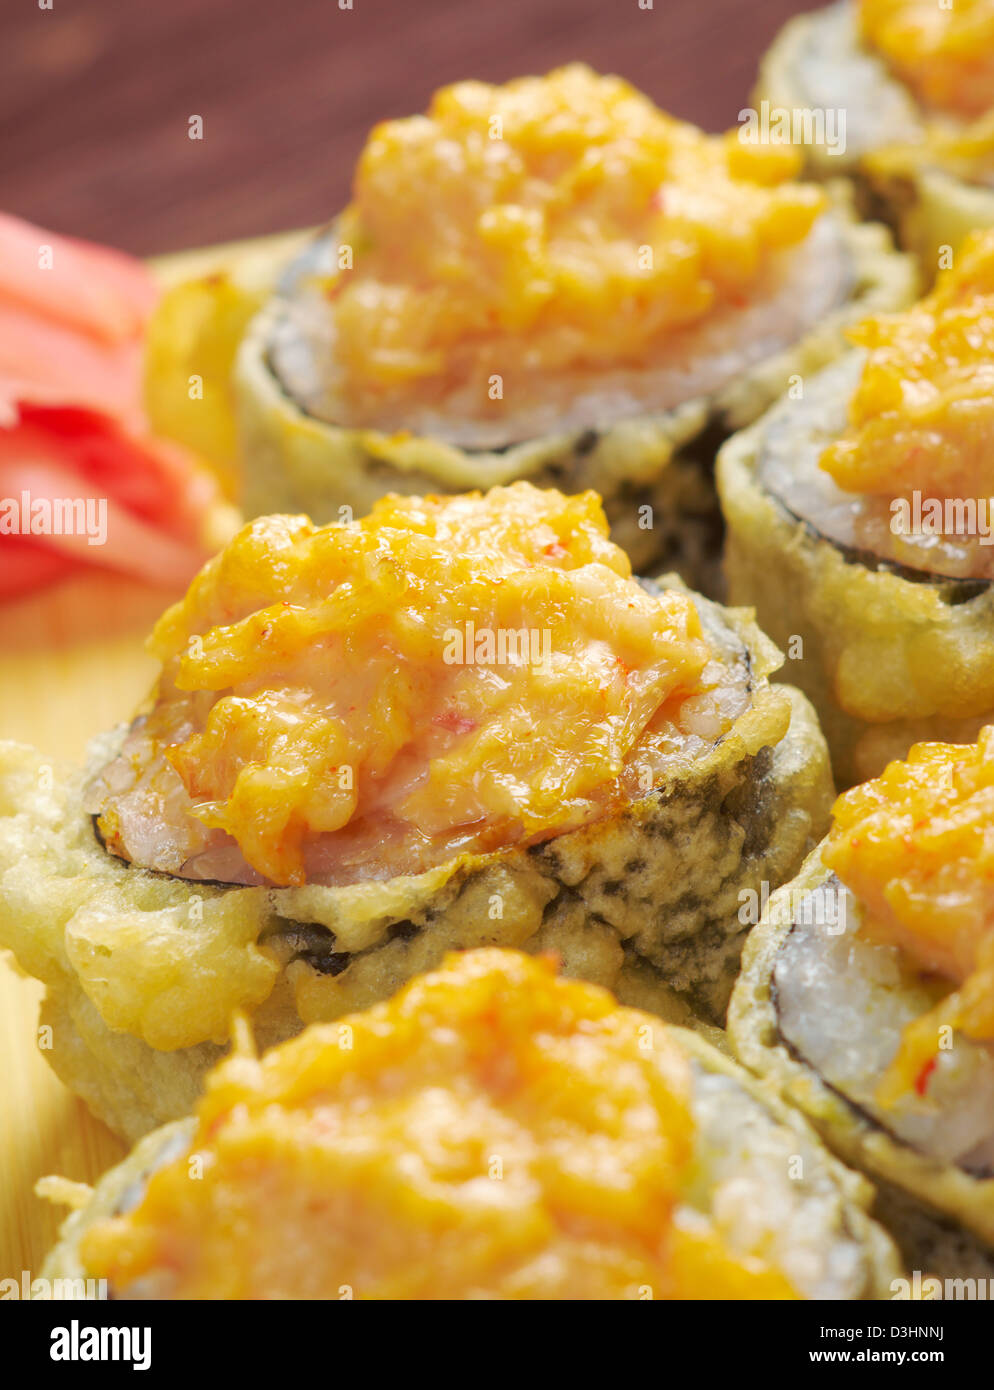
x=72 y=427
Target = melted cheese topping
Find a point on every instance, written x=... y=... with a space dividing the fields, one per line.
x=922 y=416
x=490 y=1132
x=944 y=53
x=551 y=224
x=448 y=674
x=916 y=847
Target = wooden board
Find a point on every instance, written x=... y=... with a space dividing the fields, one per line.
x=95 y=97
x=73 y=662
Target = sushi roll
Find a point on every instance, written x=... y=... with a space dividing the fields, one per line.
x=866 y=998
x=538 y=1140
x=913 y=81
x=937 y=191
x=859 y=526
x=458 y=722
x=554 y=281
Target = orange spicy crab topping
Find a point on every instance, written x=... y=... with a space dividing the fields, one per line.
x=448 y=674
x=922 y=416
x=491 y=1132
x=563 y=222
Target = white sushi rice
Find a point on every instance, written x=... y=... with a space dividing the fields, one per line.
x=770 y=1192
x=798 y=289
x=843 y=1002
x=830 y=70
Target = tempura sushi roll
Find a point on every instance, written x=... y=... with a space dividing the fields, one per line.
x=460 y=721
x=904 y=90
x=555 y=281
x=939 y=190
x=859 y=525
x=529 y=1136
x=866 y=995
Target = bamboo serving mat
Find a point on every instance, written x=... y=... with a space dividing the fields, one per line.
x=72 y=662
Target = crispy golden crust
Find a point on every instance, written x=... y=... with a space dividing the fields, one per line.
x=111 y=1194
x=143 y=970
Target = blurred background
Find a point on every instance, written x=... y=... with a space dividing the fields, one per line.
x=96 y=95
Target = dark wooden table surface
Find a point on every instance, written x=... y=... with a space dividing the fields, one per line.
x=96 y=95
